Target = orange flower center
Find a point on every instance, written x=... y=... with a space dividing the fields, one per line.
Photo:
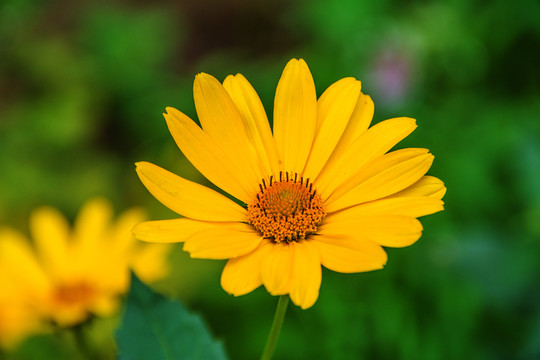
x=74 y=293
x=286 y=210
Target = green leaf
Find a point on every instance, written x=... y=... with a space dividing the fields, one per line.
x=161 y=329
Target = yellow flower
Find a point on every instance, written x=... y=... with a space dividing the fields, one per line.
x=70 y=274
x=320 y=190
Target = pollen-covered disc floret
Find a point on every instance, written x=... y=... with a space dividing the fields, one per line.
x=286 y=210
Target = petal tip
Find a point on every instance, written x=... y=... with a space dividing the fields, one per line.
x=203 y=77
x=142 y=165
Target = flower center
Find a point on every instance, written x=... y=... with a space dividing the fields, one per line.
x=74 y=293
x=286 y=210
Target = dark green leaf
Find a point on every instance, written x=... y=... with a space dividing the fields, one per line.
x=161 y=329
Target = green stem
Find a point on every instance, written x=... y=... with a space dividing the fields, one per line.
x=81 y=340
x=276 y=327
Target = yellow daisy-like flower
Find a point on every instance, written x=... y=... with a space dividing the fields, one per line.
x=320 y=190
x=69 y=274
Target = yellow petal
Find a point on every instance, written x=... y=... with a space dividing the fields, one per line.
x=94 y=216
x=122 y=239
x=371 y=144
x=223 y=242
x=385 y=176
x=359 y=121
x=406 y=206
x=105 y=305
x=295 y=269
x=386 y=230
x=208 y=157
x=334 y=110
x=277 y=268
x=186 y=197
x=255 y=120
x=426 y=186
x=69 y=316
x=222 y=121
x=171 y=231
x=91 y=227
x=295 y=115
x=349 y=253
x=18 y=262
x=242 y=275
x=306 y=274
x=150 y=262
x=50 y=232
x=110 y=273
x=18 y=320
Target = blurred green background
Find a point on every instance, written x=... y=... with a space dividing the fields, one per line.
x=83 y=85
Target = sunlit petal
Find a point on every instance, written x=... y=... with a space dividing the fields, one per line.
x=334 y=109
x=255 y=120
x=208 y=157
x=350 y=253
x=242 y=275
x=187 y=197
x=295 y=115
x=223 y=242
x=221 y=120
x=385 y=176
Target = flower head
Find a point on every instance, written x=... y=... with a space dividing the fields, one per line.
x=71 y=273
x=321 y=189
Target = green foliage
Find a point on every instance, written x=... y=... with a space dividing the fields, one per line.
x=157 y=328
x=83 y=86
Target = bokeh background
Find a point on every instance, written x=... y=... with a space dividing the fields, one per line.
x=83 y=85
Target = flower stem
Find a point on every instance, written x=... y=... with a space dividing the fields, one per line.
x=276 y=327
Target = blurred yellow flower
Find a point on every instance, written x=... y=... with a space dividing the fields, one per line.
x=320 y=190
x=71 y=273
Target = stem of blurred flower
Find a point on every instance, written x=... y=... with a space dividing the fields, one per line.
x=80 y=335
x=80 y=338
x=276 y=327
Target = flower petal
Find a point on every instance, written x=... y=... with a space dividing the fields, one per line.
x=171 y=231
x=386 y=230
x=66 y=316
x=89 y=233
x=208 y=157
x=50 y=232
x=334 y=110
x=406 y=206
x=295 y=115
x=18 y=261
x=276 y=269
x=18 y=319
x=223 y=242
x=371 y=144
x=306 y=274
x=249 y=105
x=186 y=197
x=105 y=305
x=150 y=263
x=242 y=275
x=426 y=186
x=349 y=253
x=122 y=239
x=385 y=176
x=222 y=121
x=295 y=269
x=359 y=121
